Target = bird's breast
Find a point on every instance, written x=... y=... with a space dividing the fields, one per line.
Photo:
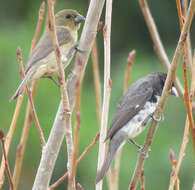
x=134 y=127
x=48 y=66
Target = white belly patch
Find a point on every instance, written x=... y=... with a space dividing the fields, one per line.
x=134 y=127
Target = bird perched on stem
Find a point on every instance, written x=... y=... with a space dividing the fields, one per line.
x=134 y=110
x=42 y=61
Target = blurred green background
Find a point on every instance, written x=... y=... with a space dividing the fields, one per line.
x=18 y=21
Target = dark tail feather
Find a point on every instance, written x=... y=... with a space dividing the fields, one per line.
x=113 y=147
x=21 y=86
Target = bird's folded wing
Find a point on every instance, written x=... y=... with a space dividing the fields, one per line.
x=129 y=105
x=45 y=45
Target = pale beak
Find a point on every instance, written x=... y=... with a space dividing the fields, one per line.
x=79 y=18
x=174 y=91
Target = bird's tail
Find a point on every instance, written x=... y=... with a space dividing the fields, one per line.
x=113 y=147
x=22 y=85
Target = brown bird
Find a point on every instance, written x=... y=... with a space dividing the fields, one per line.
x=42 y=61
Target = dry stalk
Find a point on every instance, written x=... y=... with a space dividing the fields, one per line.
x=188 y=41
x=173 y=164
x=64 y=95
x=142 y=179
x=193 y=188
x=6 y=161
x=185 y=140
x=107 y=88
x=78 y=87
x=31 y=100
x=56 y=136
x=23 y=140
x=60 y=180
x=186 y=94
x=126 y=86
x=28 y=117
x=161 y=104
x=19 y=102
x=128 y=69
x=11 y=132
x=79 y=186
x=97 y=82
x=39 y=24
x=20 y=151
x=159 y=49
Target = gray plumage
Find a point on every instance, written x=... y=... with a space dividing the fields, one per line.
x=144 y=90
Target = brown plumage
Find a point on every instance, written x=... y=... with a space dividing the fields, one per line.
x=42 y=62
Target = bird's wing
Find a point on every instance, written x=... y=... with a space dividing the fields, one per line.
x=129 y=105
x=45 y=46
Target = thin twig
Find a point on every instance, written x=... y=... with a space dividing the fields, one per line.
x=6 y=161
x=10 y=133
x=107 y=87
x=23 y=140
x=28 y=117
x=188 y=41
x=64 y=95
x=56 y=136
x=173 y=164
x=19 y=101
x=126 y=86
x=158 y=46
x=185 y=136
x=79 y=186
x=179 y=11
x=96 y=74
x=142 y=179
x=39 y=24
x=186 y=95
x=162 y=101
x=78 y=87
x=60 y=180
x=31 y=101
x=193 y=188
x=128 y=69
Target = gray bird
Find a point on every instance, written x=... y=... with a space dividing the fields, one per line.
x=134 y=110
x=42 y=62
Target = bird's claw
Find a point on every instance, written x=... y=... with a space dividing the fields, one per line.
x=145 y=154
x=158 y=119
x=153 y=117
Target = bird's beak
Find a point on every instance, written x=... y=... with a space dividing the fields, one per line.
x=174 y=91
x=79 y=18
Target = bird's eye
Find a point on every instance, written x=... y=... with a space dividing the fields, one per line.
x=68 y=16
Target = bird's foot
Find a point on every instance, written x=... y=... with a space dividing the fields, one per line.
x=157 y=119
x=153 y=117
x=79 y=49
x=54 y=81
x=71 y=51
x=145 y=154
x=137 y=145
x=145 y=121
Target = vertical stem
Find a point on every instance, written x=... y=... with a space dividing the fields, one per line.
x=19 y=100
x=185 y=140
x=126 y=86
x=107 y=87
x=78 y=87
x=97 y=82
x=64 y=94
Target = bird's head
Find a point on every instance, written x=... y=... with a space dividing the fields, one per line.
x=69 y=18
x=159 y=82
